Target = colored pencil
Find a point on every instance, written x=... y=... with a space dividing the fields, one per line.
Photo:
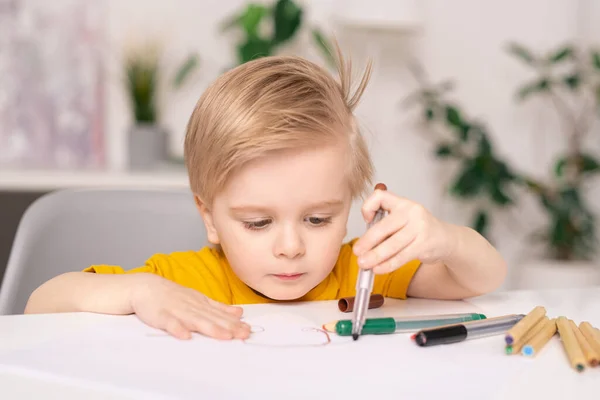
x=515 y=334
x=591 y=355
x=537 y=342
x=570 y=344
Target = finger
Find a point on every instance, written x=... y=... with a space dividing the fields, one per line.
x=225 y=320
x=229 y=322
x=380 y=232
x=205 y=324
x=176 y=328
x=388 y=248
x=382 y=199
x=208 y=323
x=235 y=310
x=397 y=261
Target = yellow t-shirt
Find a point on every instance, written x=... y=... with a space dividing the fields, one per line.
x=208 y=271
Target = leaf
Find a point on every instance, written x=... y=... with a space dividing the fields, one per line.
x=287 y=18
x=585 y=164
x=570 y=199
x=324 y=46
x=469 y=183
x=185 y=70
x=480 y=222
x=503 y=172
x=253 y=48
x=559 y=167
x=596 y=60
x=572 y=81
x=521 y=52
x=589 y=163
x=561 y=54
x=498 y=196
x=142 y=86
x=453 y=116
x=485 y=147
x=443 y=150
x=252 y=17
x=464 y=132
x=429 y=115
x=534 y=87
x=547 y=202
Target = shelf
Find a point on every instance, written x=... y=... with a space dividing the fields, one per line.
x=42 y=181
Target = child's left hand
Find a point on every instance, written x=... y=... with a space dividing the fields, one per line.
x=408 y=232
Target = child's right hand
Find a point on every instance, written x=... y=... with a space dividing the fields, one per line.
x=180 y=311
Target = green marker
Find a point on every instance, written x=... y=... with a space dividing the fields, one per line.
x=379 y=326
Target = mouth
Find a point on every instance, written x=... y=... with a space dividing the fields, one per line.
x=288 y=277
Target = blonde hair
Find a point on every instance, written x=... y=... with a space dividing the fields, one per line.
x=271 y=104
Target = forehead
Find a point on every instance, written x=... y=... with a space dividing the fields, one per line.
x=291 y=177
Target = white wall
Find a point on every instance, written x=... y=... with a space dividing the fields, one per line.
x=459 y=39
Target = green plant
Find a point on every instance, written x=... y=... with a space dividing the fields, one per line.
x=144 y=72
x=488 y=180
x=285 y=17
x=483 y=177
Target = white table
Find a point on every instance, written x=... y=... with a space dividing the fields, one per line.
x=548 y=376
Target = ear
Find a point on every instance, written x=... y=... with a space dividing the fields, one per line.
x=213 y=236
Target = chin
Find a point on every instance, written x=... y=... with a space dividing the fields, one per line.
x=285 y=293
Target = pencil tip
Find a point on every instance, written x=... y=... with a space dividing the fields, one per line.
x=355 y=336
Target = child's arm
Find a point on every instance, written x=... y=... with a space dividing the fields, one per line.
x=473 y=268
x=457 y=262
x=82 y=291
x=157 y=301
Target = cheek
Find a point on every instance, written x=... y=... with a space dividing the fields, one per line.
x=243 y=249
x=325 y=247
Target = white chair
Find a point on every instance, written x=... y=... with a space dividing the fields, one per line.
x=69 y=230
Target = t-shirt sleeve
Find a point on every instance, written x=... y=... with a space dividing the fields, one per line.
x=151 y=266
x=115 y=269
x=396 y=283
x=201 y=271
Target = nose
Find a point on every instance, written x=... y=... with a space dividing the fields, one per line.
x=289 y=243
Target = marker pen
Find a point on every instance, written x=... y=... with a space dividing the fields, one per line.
x=379 y=326
x=470 y=330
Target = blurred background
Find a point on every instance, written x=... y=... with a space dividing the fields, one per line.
x=483 y=111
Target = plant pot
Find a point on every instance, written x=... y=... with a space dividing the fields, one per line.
x=147 y=146
x=554 y=274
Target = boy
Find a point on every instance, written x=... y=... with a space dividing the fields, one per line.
x=275 y=160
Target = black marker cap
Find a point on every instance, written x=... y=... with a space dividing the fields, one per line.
x=450 y=334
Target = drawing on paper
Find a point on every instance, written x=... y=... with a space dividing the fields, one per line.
x=311 y=337
x=51 y=83
x=306 y=337
x=285 y=330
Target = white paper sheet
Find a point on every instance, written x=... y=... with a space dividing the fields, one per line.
x=287 y=357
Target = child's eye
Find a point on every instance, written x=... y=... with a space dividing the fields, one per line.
x=316 y=221
x=256 y=225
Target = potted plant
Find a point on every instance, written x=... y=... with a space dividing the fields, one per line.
x=144 y=70
x=568 y=79
x=568 y=238
x=267 y=28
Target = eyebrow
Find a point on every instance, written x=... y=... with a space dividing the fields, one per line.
x=256 y=208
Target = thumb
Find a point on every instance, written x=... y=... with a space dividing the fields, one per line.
x=374 y=202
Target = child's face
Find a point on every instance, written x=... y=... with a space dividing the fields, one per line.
x=281 y=220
